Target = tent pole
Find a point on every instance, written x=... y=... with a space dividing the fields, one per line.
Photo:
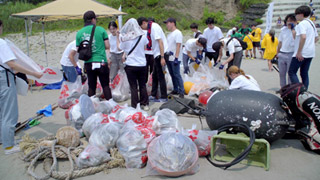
x=45 y=45
x=26 y=25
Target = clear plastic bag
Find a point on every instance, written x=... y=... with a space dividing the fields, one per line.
x=172 y=154
x=202 y=139
x=132 y=146
x=70 y=93
x=105 y=136
x=165 y=121
x=121 y=91
x=92 y=156
x=91 y=124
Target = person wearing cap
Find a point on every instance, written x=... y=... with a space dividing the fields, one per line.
x=159 y=46
x=190 y=51
x=175 y=40
x=97 y=65
x=8 y=95
x=212 y=34
x=256 y=33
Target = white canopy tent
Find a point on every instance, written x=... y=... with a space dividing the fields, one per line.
x=64 y=10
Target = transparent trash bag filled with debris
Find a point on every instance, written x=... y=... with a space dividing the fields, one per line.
x=132 y=146
x=92 y=156
x=172 y=154
x=105 y=136
x=165 y=121
x=120 y=87
x=91 y=124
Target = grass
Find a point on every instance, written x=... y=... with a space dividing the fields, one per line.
x=134 y=9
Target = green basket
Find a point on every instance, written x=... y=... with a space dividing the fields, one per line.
x=225 y=147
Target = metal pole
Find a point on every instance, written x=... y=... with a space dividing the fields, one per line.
x=26 y=25
x=45 y=45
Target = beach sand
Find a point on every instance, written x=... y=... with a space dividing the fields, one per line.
x=289 y=159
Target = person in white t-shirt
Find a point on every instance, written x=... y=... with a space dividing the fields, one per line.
x=242 y=81
x=135 y=68
x=69 y=62
x=172 y=56
x=8 y=95
x=212 y=34
x=159 y=46
x=115 y=53
x=195 y=30
x=286 y=48
x=306 y=36
x=190 y=52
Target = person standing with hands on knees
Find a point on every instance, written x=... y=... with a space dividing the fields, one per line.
x=97 y=65
x=159 y=46
x=174 y=39
x=286 y=48
x=306 y=36
x=8 y=95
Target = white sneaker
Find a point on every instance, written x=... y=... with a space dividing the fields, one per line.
x=14 y=149
x=146 y=108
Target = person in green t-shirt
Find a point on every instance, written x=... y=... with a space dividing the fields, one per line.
x=235 y=33
x=97 y=65
x=243 y=29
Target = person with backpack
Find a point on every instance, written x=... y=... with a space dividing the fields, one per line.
x=306 y=36
x=286 y=48
x=8 y=95
x=97 y=65
x=159 y=47
x=270 y=43
x=195 y=30
x=136 y=64
x=248 y=39
x=244 y=29
x=233 y=50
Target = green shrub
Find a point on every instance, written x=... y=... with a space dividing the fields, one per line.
x=217 y=16
x=259 y=21
x=152 y=2
x=246 y=3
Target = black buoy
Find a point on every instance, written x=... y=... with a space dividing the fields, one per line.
x=262 y=112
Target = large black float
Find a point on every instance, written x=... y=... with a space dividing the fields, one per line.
x=262 y=112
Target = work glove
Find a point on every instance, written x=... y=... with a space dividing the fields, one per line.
x=199 y=56
x=292 y=26
x=204 y=50
x=221 y=66
x=215 y=64
x=197 y=61
x=170 y=53
x=79 y=71
x=176 y=61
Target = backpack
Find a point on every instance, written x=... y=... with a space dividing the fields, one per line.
x=305 y=109
x=242 y=43
x=85 y=47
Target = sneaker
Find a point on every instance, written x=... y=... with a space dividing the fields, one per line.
x=163 y=100
x=252 y=58
x=14 y=149
x=174 y=92
x=181 y=96
x=152 y=98
x=145 y=108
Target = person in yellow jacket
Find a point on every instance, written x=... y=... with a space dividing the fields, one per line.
x=270 y=43
x=248 y=39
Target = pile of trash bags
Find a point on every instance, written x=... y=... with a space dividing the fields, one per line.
x=138 y=137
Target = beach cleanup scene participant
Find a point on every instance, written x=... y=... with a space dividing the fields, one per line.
x=190 y=117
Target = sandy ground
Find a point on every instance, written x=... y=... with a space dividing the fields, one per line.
x=289 y=159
